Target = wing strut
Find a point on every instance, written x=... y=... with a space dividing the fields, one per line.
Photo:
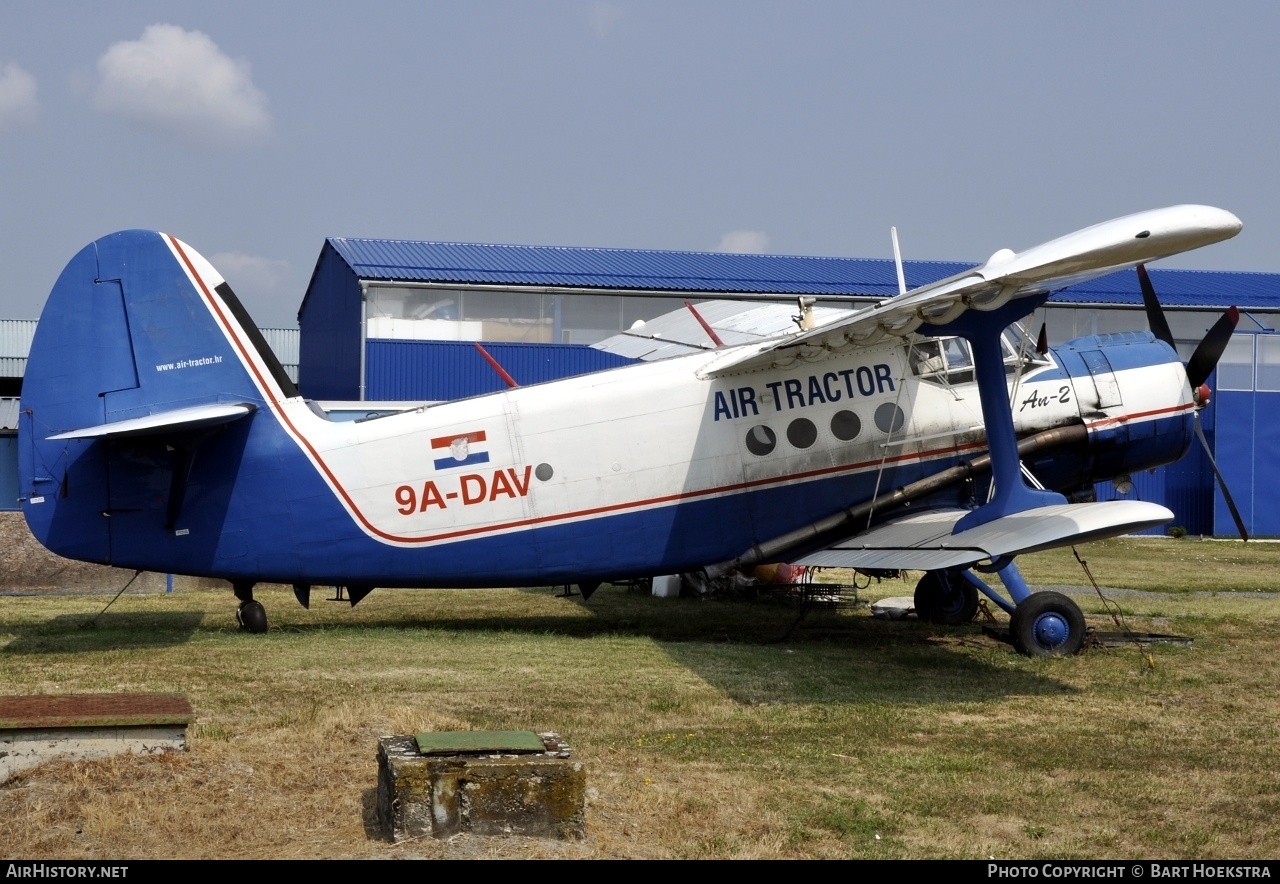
x=983 y=330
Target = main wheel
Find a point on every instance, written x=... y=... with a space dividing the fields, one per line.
x=1047 y=624
x=252 y=617
x=945 y=597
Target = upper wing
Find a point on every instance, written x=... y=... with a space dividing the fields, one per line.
x=923 y=541
x=1094 y=251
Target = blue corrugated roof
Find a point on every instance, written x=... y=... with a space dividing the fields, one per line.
x=657 y=270
x=1182 y=288
x=406 y=260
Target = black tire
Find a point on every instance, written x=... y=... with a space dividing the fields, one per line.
x=1047 y=624
x=945 y=597
x=252 y=617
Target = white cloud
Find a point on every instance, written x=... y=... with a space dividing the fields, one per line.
x=251 y=274
x=19 y=107
x=603 y=17
x=744 y=242
x=180 y=83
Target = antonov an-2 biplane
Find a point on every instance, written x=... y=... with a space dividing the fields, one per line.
x=158 y=432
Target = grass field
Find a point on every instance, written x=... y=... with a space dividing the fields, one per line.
x=710 y=728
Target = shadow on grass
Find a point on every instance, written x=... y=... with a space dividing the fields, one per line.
x=753 y=651
x=757 y=651
x=89 y=632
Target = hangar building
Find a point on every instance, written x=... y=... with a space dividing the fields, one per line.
x=397 y=320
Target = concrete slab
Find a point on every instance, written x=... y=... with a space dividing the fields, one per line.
x=894 y=608
x=37 y=728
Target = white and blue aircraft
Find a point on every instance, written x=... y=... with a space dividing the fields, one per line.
x=158 y=432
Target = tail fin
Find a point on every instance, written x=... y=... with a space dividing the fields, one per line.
x=140 y=337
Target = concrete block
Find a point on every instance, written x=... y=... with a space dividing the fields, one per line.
x=533 y=794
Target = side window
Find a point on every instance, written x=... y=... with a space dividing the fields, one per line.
x=926 y=358
x=1019 y=350
x=948 y=360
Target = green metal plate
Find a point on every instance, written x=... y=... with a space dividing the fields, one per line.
x=463 y=742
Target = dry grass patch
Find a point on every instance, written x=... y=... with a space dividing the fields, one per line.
x=703 y=733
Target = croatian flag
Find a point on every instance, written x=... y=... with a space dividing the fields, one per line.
x=460 y=450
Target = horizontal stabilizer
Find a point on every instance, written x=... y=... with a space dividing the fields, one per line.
x=923 y=541
x=192 y=418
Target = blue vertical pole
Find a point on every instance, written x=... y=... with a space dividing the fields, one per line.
x=983 y=330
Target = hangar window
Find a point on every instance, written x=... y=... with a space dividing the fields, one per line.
x=1268 y=363
x=585 y=319
x=636 y=307
x=1235 y=368
x=1106 y=321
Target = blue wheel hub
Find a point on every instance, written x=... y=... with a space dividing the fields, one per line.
x=1051 y=630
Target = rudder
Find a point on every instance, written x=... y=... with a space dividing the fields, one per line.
x=138 y=324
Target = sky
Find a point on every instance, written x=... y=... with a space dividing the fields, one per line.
x=254 y=130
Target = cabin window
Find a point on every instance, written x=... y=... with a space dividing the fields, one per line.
x=889 y=418
x=761 y=440
x=802 y=433
x=846 y=425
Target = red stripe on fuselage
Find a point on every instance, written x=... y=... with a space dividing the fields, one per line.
x=1093 y=425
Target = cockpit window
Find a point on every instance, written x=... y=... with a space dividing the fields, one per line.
x=945 y=359
x=950 y=360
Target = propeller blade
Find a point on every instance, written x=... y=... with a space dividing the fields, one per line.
x=1209 y=351
x=1155 y=313
x=1222 y=483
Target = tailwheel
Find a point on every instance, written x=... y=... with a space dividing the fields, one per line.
x=1047 y=624
x=252 y=617
x=945 y=597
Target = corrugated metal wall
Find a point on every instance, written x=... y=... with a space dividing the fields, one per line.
x=1184 y=487
x=284 y=343
x=330 y=318
x=16 y=336
x=15 y=343
x=436 y=370
x=1249 y=458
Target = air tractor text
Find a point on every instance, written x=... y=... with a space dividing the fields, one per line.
x=816 y=389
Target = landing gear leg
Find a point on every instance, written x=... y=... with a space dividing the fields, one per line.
x=1041 y=624
x=251 y=616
